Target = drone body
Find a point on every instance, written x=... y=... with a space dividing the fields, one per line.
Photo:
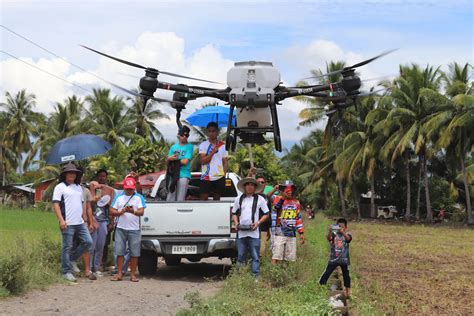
x=254 y=91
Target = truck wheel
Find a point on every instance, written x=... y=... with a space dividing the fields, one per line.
x=172 y=261
x=147 y=263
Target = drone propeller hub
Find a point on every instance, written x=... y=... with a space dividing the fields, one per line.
x=350 y=84
x=148 y=85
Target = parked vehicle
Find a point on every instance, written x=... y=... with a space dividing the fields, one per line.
x=190 y=229
x=387 y=212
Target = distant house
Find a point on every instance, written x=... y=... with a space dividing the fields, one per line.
x=147 y=181
x=41 y=188
x=19 y=195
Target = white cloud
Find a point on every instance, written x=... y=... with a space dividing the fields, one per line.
x=17 y=75
x=315 y=55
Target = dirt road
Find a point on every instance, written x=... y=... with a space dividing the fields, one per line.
x=160 y=295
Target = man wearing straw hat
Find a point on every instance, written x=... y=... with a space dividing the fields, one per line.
x=69 y=209
x=246 y=220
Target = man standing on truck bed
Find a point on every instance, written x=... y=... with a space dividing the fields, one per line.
x=214 y=164
x=181 y=153
x=246 y=219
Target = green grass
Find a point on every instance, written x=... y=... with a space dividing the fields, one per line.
x=29 y=250
x=289 y=289
x=28 y=225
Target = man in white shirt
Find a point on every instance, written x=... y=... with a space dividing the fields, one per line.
x=213 y=164
x=70 y=210
x=128 y=207
x=246 y=219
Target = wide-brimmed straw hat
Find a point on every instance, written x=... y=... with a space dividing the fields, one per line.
x=244 y=181
x=70 y=167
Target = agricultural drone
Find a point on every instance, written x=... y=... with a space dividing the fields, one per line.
x=254 y=89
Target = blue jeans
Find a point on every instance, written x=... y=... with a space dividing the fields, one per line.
x=249 y=245
x=124 y=237
x=68 y=254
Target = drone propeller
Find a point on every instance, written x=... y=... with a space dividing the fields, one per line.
x=349 y=68
x=153 y=70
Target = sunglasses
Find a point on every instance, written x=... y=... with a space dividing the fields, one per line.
x=261 y=182
x=184 y=135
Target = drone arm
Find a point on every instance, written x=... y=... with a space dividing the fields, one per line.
x=198 y=92
x=310 y=90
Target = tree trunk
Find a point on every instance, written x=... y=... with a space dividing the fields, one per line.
x=408 y=210
x=429 y=212
x=2 y=164
x=418 y=193
x=372 y=197
x=470 y=219
x=357 y=198
x=341 y=197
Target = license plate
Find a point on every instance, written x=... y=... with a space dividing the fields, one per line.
x=183 y=249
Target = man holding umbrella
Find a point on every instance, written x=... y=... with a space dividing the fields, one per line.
x=70 y=210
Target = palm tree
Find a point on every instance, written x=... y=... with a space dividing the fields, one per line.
x=360 y=149
x=143 y=115
x=404 y=123
x=21 y=120
x=452 y=125
x=107 y=117
x=314 y=113
x=65 y=121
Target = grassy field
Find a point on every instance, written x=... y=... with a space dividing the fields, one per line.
x=283 y=290
x=407 y=270
x=27 y=225
x=29 y=250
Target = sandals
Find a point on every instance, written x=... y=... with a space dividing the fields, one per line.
x=116 y=278
x=134 y=279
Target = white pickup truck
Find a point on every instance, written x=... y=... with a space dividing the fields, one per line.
x=190 y=229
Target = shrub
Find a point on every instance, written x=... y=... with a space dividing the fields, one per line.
x=13 y=277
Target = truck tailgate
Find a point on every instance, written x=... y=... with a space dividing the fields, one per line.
x=187 y=218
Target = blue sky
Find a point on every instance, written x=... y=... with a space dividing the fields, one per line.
x=203 y=38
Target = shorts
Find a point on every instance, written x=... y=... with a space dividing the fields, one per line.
x=133 y=237
x=284 y=248
x=216 y=186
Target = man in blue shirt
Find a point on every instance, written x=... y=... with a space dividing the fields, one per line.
x=180 y=153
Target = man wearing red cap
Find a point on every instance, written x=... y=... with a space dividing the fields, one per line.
x=288 y=222
x=128 y=207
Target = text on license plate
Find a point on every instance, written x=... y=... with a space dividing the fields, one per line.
x=183 y=249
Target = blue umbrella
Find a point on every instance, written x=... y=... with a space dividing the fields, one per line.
x=77 y=147
x=218 y=114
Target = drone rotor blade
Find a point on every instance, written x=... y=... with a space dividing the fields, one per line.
x=115 y=58
x=187 y=77
x=367 y=94
x=365 y=62
x=362 y=63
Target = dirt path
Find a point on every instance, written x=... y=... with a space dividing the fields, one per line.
x=160 y=295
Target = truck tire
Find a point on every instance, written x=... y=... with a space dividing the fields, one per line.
x=172 y=261
x=147 y=263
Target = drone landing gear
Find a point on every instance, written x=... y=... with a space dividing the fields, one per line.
x=276 y=127
x=230 y=141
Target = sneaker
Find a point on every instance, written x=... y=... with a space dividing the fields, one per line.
x=99 y=274
x=74 y=267
x=69 y=277
x=92 y=276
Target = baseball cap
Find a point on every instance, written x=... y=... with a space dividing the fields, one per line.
x=129 y=183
